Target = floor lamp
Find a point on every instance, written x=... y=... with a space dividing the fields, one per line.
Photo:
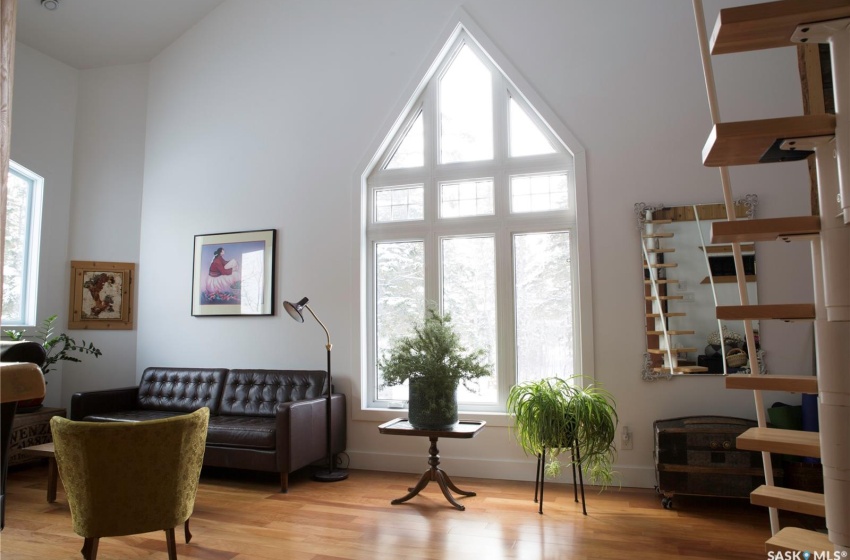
x=329 y=474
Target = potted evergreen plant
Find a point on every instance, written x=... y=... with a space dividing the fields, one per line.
x=555 y=414
x=433 y=362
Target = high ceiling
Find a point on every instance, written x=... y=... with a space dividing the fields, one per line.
x=92 y=33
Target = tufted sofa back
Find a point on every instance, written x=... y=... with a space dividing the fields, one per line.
x=181 y=389
x=256 y=392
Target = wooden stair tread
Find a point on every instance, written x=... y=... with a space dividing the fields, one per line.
x=671 y=333
x=661 y=265
x=774 y=440
x=681 y=369
x=727 y=279
x=764 y=229
x=781 y=312
x=747 y=142
x=769 y=25
x=794 y=539
x=658 y=315
x=788 y=499
x=664 y=221
x=672 y=350
x=662 y=281
x=662 y=250
x=727 y=248
x=788 y=383
x=657 y=235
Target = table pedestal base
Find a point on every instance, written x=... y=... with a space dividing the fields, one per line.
x=438 y=474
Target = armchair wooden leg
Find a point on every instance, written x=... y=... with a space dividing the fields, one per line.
x=172 y=544
x=89 y=550
x=284 y=482
x=186 y=532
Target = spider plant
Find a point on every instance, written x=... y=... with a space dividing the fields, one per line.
x=557 y=414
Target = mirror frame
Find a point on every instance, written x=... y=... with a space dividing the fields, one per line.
x=744 y=209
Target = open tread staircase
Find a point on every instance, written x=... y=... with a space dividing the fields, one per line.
x=767 y=25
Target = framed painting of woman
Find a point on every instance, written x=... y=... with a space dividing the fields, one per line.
x=233 y=273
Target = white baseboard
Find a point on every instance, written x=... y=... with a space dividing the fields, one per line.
x=628 y=476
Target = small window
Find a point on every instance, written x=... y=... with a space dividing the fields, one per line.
x=539 y=193
x=466 y=198
x=23 y=234
x=399 y=204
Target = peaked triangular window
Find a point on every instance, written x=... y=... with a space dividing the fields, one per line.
x=411 y=150
x=466 y=110
x=526 y=137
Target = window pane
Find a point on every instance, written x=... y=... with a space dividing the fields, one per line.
x=16 y=260
x=410 y=152
x=544 y=309
x=399 y=298
x=539 y=193
x=399 y=204
x=466 y=198
x=469 y=295
x=466 y=110
x=526 y=138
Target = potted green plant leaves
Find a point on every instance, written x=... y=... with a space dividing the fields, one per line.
x=58 y=347
x=556 y=414
x=433 y=362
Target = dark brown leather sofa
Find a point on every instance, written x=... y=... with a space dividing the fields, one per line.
x=263 y=420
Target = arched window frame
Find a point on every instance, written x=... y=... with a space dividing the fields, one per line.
x=507 y=83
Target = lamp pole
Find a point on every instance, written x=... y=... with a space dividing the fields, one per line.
x=329 y=475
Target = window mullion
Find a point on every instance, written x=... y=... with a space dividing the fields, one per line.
x=500 y=120
x=505 y=313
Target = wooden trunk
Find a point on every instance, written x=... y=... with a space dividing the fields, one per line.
x=697 y=455
x=30 y=429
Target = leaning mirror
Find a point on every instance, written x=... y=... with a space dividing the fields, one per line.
x=685 y=277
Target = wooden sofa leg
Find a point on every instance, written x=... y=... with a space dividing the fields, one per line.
x=186 y=532
x=284 y=482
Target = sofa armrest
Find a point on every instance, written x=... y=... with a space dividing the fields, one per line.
x=98 y=402
x=301 y=435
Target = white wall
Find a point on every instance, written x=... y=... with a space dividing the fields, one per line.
x=43 y=116
x=84 y=133
x=260 y=116
x=109 y=151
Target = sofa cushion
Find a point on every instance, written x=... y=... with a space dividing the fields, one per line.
x=256 y=392
x=181 y=389
x=130 y=416
x=253 y=432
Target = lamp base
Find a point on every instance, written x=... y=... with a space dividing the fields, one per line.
x=325 y=475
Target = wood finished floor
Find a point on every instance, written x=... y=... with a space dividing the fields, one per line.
x=240 y=516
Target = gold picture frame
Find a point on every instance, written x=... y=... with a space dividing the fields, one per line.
x=101 y=295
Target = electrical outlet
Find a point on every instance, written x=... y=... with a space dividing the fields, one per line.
x=626 y=439
x=687 y=296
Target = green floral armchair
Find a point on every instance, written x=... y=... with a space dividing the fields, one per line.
x=126 y=478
